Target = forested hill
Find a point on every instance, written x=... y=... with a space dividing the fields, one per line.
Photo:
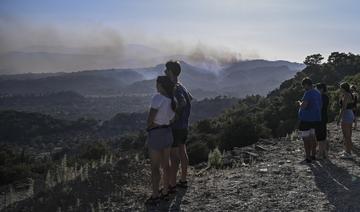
x=339 y=67
x=276 y=114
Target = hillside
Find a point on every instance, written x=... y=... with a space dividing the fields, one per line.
x=253 y=80
x=70 y=105
x=278 y=110
x=271 y=179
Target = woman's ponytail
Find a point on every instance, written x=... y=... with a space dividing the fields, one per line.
x=168 y=86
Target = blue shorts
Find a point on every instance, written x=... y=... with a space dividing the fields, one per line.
x=348 y=116
x=160 y=138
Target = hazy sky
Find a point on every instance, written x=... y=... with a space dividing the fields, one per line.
x=270 y=29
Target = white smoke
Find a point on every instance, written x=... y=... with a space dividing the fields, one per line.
x=33 y=47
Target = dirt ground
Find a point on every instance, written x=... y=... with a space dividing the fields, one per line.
x=275 y=181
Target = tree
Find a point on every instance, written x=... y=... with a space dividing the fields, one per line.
x=337 y=58
x=314 y=59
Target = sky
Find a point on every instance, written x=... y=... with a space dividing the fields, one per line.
x=269 y=29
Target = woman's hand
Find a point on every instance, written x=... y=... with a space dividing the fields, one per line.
x=151 y=125
x=151 y=118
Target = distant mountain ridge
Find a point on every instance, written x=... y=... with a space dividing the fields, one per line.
x=238 y=79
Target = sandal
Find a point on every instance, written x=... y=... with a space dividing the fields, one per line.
x=152 y=201
x=182 y=184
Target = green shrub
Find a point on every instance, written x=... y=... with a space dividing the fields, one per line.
x=9 y=174
x=198 y=152
x=94 y=151
x=294 y=136
x=238 y=132
x=215 y=159
x=205 y=126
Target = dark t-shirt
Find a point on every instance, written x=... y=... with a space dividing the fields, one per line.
x=324 y=109
x=183 y=97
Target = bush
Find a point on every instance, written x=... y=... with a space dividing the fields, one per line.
x=198 y=152
x=94 y=151
x=205 y=126
x=9 y=174
x=215 y=159
x=239 y=132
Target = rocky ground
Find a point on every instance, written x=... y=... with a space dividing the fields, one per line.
x=277 y=181
x=265 y=177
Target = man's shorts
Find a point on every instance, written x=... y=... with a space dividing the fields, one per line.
x=180 y=136
x=307 y=129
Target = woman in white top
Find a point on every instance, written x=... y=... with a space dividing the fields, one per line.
x=160 y=137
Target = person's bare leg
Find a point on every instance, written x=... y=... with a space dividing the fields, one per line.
x=319 y=146
x=165 y=154
x=322 y=149
x=355 y=123
x=313 y=145
x=348 y=140
x=307 y=147
x=184 y=161
x=155 y=157
x=347 y=133
x=327 y=148
x=175 y=161
x=343 y=130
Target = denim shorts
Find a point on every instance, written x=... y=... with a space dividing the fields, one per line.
x=160 y=138
x=348 y=116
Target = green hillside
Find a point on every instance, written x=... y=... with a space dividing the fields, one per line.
x=257 y=117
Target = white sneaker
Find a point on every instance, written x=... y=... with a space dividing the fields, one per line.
x=346 y=155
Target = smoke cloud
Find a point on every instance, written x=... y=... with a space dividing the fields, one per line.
x=34 y=47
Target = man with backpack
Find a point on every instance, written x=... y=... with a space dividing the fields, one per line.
x=179 y=127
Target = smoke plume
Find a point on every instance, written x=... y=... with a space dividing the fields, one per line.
x=33 y=47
